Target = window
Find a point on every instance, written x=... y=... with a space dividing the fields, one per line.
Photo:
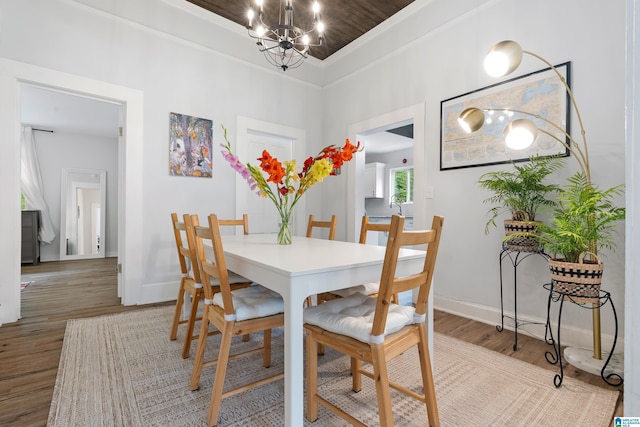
x=401 y=185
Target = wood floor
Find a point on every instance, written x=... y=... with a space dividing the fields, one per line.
x=30 y=348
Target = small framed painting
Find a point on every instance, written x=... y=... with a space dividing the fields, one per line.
x=539 y=96
x=190 y=146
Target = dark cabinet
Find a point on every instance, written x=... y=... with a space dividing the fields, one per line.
x=30 y=242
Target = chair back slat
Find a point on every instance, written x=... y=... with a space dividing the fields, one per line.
x=367 y=226
x=408 y=283
x=389 y=284
x=417 y=237
x=329 y=225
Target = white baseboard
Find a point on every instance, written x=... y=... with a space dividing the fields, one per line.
x=158 y=292
x=571 y=335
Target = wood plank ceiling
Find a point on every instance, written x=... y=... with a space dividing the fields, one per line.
x=345 y=20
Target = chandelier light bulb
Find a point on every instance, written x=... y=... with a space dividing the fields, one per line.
x=250 y=15
x=260 y=31
x=316 y=7
x=520 y=134
x=320 y=27
x=305 y=40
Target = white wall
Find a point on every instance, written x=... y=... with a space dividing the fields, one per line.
x=448 y=62
x=60 y=150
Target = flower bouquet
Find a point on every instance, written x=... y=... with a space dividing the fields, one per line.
x=288 y=185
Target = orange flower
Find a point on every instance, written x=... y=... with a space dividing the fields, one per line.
x=339 y=156
x=272 y=166
x=349 y=149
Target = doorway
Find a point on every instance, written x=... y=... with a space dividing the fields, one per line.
x=389 y=154
x=414 y=114
x=73 y=129
x=82 y=224
x=130 y=155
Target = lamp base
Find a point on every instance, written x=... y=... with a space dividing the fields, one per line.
x=583 y=359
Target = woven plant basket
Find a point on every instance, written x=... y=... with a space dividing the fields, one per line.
x=519 y=223
x=581 y=279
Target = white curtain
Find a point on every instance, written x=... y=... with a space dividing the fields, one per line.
x=32 y=185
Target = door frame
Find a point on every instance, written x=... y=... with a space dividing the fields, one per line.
x=13 y=75
x=355 y=192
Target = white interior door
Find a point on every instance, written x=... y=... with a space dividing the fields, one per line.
x=283 y=142
x=262 y=213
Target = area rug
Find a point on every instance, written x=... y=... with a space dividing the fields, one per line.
x=122 y=370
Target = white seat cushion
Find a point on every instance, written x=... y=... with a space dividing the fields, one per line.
x=366 y=289
x=253 y=302
x=236 y=278
x=353 y=316
x=233 y=278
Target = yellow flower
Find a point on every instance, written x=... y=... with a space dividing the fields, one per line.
x=290 y=166
x=320 y=170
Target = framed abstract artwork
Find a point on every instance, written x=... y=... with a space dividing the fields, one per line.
x=539 y=96
x=190 y=146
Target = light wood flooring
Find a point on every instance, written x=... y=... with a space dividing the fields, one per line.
x=30 y=348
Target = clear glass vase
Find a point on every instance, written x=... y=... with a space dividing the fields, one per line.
x=284 y=232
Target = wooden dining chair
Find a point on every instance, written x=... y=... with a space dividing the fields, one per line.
x=366 y=288
x=232 y=312
x=191 y=283
x=314 y=224
x=244 y=223
x=344 y=324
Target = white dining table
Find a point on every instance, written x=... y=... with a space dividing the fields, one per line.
x=306 y=267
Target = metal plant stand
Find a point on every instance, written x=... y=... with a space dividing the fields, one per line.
x=591 y=303
x=516 y=257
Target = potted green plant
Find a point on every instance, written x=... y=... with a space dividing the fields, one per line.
x=521 y=192
x=583 y=223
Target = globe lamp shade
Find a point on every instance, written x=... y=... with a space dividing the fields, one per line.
x=520 y=134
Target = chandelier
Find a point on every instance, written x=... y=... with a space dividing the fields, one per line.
x=283 y=44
